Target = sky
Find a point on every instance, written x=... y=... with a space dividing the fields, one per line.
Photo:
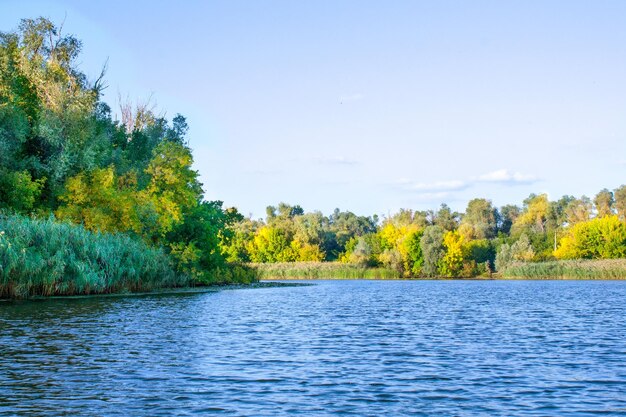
x=371 y=106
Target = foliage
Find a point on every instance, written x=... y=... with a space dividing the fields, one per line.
x=480 y=219
x=620 y=202
x=568 y=269
x=319 y=270
x=534 y=216
x=63 y=153
x=19 y=191
x=603 y=202
x=520 y=250
x=600 y=238
x=433 y=249
x=451 y=264
x=44 y=257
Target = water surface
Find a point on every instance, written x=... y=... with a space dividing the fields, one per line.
x=362 y=348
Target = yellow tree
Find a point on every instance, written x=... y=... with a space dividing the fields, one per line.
x=102 y=202
x=173 y=188
x=451 y=264
x=534 y=216
x=600 y=238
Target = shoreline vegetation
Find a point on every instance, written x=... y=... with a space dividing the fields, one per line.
x=167 y=291
x=591 y=269
x=321 y=270
x=94 y=201
x=43 y=257
x=582 y=269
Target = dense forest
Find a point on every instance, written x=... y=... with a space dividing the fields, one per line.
x=126 y=182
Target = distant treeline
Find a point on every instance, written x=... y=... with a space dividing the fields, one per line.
x=479 y=241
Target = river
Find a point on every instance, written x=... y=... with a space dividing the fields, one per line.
x=361 y=348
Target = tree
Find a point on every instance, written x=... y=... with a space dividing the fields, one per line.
x=101 y=201
x=578 y=210
x=360 y=251
x=271 y=245
x=446 y=219
x=603 y=201
x=521 y=250
x=481 y=219
x=620 y=202
x=451 y=264
x=433 y=249
x=18 y=191
x=411 y=252
x=481 y=251
x=600 y=238
x=534 y=216
x=508 y=216
x=173 y=188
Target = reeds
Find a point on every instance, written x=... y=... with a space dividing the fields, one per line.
x=43 y=257
x=568 y=269
x=321 y=270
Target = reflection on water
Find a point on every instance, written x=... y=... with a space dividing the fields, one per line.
x=336 y=348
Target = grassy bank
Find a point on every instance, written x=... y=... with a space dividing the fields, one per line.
x=44 y=258
x=321 y=270
x=572 y=269
x=48 y=258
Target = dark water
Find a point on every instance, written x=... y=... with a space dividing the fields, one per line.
x=358 y=348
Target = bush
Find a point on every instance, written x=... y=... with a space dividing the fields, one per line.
x=600 y=238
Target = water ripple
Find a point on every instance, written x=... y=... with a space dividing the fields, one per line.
x=354 y=348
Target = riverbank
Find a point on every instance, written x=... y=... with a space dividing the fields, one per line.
x=570 y=269
x=43 y=258
x=168 y=291
x=321 y=270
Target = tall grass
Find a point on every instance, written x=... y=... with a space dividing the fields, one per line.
x=320 y=270
x=43 y=257
x=228 y=274
x=570 y=269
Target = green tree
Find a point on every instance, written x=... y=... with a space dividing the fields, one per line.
x=578 y=210
x=433 y=249
x=446 y=218
x=520 y=250
x=173 y=188
x=507 y=216
x=603 y=201
x=620 y=202
x=18 y=191
x=481 y=219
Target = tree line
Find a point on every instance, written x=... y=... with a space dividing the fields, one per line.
x=440 y=242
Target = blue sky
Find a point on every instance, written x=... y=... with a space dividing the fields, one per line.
x=371 y=106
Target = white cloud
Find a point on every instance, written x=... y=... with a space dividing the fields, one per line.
x=335 y=160
x=346 y=98
x=433 y=187
x=445 y=189
x=507 y=177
